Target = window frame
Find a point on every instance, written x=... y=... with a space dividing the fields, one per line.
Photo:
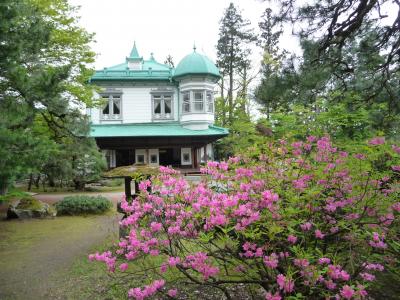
x=192 y=101
x=209 y=102
x=117 y=97
x=162 y=115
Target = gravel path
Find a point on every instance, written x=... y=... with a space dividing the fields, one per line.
x=33 y=252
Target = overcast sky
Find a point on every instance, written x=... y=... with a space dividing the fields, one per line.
x=161 y=26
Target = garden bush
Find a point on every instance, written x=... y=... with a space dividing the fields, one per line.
x=82 y=204
x=303 y=220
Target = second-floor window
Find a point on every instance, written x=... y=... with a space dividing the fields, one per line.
x=112 y=107
x=198 y=101
x=162 y=106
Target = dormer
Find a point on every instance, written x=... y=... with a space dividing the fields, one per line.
x=134 y=61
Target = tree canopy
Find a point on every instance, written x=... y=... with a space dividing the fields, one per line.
x=44 y=72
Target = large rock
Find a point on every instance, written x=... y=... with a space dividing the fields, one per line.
x=29 y=207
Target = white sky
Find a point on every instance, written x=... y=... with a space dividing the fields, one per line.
x=162 y=27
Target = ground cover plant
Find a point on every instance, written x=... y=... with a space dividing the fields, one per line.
x=83 y=204
x=301 y=220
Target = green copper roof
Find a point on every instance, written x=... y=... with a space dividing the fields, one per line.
x=134 y=52
x=152 y=130
x=196 y=64
x=150 y=69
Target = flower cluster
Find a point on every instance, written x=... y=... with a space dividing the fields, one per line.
x=284 y=219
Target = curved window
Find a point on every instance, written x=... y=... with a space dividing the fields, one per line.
x=198 y=101
x=210 y=101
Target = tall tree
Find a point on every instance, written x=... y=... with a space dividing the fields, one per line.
x=271 y=62
x=232 y=50
x=44 y=57
x=350 y=46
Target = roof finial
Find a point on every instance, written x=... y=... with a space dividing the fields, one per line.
x=151 y=55
x=194 y=47
x=134 y=51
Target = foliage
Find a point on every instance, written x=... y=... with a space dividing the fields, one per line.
x=348 y=54
x=12 y=194
x=29 y=202
x=82 y=204
x=233 y=57
x=136 y=172
x=44 y=72
x=304 y=220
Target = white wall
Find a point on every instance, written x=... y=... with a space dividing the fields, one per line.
x=136 y=106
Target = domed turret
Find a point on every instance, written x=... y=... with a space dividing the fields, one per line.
x=196 y=64
x=197 y=76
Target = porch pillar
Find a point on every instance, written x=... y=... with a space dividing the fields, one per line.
x=194 y=158
x=128 y=192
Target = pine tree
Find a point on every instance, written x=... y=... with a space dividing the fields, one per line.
x=232 y=51
x=272 y=57
x=44 y=57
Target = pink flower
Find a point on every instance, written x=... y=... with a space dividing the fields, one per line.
x=275 y=296
x=123 y=267
x=324 y=260
x=347 y=292
x=377 y=141
x=302 y=263
x=173 y=261
x=154 y=226
x=284 y=283
x=359 y=156
x=319 y=234
x=396 y=207
x=367 y=276
x=396 y=168
x=172 y=293
x=292 y=239
x=396 y=149
x=306 y=226
x=271 y=261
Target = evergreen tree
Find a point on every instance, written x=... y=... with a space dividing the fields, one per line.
x=232 y=52
x=44 y=57
x=272 y=58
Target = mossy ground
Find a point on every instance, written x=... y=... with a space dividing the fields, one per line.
x=36 y=254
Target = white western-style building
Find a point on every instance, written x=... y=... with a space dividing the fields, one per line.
x=154 y=114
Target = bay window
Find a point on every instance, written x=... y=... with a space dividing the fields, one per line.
x=198 y=101
x=210 y=101
x=186 y=102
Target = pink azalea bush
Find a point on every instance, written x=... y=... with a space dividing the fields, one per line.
x=299 y=220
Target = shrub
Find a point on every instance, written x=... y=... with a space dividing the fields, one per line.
x=81 y=204
x=298 y=221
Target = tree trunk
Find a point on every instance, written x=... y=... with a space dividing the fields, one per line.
x=3 y=186
x=30 y=182
x=230 y=91
x=79 y=185
x=37 y=181
x=51 y=181
x=223 y=118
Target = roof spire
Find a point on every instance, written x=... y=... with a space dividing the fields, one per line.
x=194 y=47
x=134 y=52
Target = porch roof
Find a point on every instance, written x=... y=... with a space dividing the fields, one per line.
x=152 y=130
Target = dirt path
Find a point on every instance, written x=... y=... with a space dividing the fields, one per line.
x=33 y=252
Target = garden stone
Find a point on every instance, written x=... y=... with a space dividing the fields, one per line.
x=28 y=208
